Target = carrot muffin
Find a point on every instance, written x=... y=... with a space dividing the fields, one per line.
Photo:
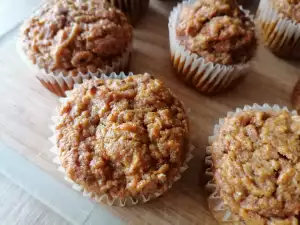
x=256 y=166
x=122 y=138
x=278 y=21
x=215 y=33
x=134 y=9
x=72 y=37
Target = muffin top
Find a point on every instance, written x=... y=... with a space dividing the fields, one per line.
x=122 y=137
x=75 y=36
x=288 y=8
x=256 y=158
x=218 y=31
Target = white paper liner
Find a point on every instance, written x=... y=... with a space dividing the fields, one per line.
x=279 y=33
x=128 y=201
x=58 y=83
x=218 y=208
x=206 y=77
x=134 y=9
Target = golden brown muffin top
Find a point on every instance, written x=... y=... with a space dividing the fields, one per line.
x=75 y=36
x=218 y=31
x=256 y=158
x=122 y=137
x=288 y=8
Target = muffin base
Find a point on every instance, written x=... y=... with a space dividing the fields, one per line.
x=105 y=198
x=280 y=34
x=220 y=211
x=134 y=9
x=206 y=77
x=59 y=83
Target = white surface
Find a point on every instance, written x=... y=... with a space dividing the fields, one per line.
x=62 y=200
x=18 y=207
x=12 y=12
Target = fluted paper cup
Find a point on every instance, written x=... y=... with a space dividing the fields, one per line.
x=106 y=198
x=134 y=9
x=218 y=208
x=60 y=82
x=279 y=33
x=206 y=77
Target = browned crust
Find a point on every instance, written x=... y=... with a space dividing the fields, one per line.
x=75 y=36
x=256 y=159
x=218 y=31
x=122 y=137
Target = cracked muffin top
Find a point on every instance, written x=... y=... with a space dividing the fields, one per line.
x=217 y=30
x=122 y=137
x=288 y=8
x=75 y=36
x=256 y=158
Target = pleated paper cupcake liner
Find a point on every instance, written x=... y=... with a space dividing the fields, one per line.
x=295 y=98
x=218 y=208
x=280 y=34
x=105 y=198
x=58 y=83
x=134 y=9
x=193 y=69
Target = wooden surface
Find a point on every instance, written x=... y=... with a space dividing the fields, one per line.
x=26 y=108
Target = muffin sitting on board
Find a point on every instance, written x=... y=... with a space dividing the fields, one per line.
x=65 y=40
x=134 y=9
x=278 y=21
x=122 y=140
x=255 y=167
x=211 y=42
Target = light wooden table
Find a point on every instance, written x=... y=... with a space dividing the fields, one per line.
x=26 y=108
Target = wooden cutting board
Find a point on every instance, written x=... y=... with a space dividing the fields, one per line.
x=26 y=108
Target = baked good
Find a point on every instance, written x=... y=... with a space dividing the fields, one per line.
x=71 y=37
x=134 y=9
x=215 y=33
x=278 y=21
x=122 y=138
x=255 y=158
x=218 y=31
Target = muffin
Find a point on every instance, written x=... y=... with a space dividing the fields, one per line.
x=122 y=140
x=211 y=42
x=278 y=21
x=255 y=167
x=134 y=9
x=67 y=41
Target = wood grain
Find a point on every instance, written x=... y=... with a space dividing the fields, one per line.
x=26 y=108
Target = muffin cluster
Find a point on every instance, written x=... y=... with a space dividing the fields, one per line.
x=125 y=138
